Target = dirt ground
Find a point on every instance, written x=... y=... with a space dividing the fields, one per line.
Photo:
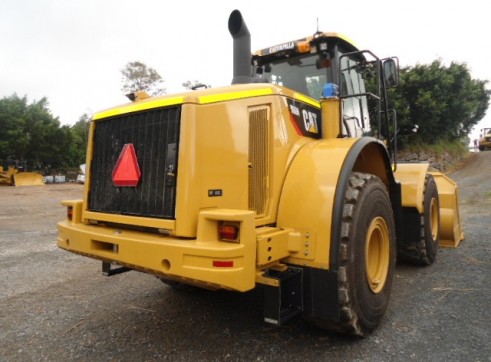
x=57 y=306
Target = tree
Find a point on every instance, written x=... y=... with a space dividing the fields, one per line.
x=14 y=135
x=30 y=135
x=137 y=76
x=25 y=130
x=195 y=84
x=445 y=102
x=80 y=132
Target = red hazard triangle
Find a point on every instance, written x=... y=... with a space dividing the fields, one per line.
x=127 y=172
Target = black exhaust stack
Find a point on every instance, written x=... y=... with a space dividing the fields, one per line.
x=242 y=48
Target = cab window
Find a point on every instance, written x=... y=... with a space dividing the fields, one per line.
x=356 y=118
x=302 y=74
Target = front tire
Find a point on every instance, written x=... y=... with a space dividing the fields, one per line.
x=366 y=256
x=424 y=251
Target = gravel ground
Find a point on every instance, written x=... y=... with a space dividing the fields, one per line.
x=57 y=306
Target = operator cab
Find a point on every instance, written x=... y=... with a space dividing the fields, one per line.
x=306 y=65
x=303 y=65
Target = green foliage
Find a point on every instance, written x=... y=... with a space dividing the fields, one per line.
x=30 y=136
x=137 y=76
x=445 y=102
x=80 y=133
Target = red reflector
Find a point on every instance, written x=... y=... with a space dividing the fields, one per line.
x=228 y=232
x=223 y=263
x=127 y=171
x=69 y=213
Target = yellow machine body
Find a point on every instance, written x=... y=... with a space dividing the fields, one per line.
x=12 y=177
x=298 y=189
x=412 y=178
x=302 y=213
x=187 y=246
x=28 y=179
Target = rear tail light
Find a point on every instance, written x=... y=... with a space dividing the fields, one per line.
x=223 y=263
x=69 y=213
x=228 y=231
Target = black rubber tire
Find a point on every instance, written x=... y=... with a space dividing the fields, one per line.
x=362 y=309
x=424 y=251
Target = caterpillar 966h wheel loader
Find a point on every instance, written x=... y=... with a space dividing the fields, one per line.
x=286 y=179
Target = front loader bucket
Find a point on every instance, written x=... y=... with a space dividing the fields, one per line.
x=450 y=229
x=28 y=179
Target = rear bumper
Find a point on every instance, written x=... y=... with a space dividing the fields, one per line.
x=203 y=260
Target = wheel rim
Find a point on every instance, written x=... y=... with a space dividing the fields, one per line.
x=377 y=254
x=434 y=218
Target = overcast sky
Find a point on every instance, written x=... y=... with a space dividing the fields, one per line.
x=72 y=51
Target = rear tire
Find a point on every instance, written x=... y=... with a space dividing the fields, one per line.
x=424 y=251
x=366 y=256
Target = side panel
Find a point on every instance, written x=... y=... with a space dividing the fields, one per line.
x=412 y=178
x=213 y=162
x=312 y=199
x=307 y=198
x=234 y=154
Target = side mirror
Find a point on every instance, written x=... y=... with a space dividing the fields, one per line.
x=391 y=72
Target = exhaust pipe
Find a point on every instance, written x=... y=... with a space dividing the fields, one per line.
x=242 y=48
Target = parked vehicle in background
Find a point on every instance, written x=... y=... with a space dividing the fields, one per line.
x=485 y=139
x=81 y=175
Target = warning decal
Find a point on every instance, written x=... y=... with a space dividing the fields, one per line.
x=306 y=119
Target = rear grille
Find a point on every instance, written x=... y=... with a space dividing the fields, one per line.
x=155 y=136
x=258 y=159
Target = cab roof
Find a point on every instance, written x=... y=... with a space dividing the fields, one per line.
x=305 y=45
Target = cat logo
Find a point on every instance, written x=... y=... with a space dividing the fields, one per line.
x=305 y=119
x=310 y=121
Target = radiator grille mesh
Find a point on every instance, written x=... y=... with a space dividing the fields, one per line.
x=155 y=136
x=258 y=159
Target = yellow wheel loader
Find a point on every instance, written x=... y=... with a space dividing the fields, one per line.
x=12 y=177
x=285 y=180
x=485 y=139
